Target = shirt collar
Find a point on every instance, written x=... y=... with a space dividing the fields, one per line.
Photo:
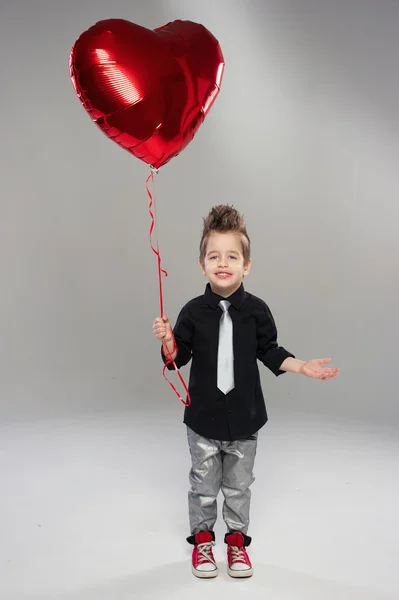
x=236 y=299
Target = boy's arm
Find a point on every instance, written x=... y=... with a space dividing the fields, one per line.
x=279 y=360
x=293 y=365
x=311 y=368
x=168 y=349
x=269 y=352
x=183 y=333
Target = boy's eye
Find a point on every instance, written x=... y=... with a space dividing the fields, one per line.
x=231 y=256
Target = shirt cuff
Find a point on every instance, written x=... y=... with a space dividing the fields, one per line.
x=275 y=361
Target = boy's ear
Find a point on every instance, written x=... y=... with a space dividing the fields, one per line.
x=247 y=267
x=201 y=264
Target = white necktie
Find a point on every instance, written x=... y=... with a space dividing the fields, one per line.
x=225 y=378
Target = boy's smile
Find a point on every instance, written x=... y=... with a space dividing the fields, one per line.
x=224 y=263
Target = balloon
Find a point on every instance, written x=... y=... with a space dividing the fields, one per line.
x=147 y=90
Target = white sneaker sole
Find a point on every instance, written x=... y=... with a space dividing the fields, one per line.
x=240 y=574
x=205 y=574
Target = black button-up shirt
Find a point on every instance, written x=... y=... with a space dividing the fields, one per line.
x=242 y=411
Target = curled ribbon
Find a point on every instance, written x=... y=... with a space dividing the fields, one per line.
x=161 y=272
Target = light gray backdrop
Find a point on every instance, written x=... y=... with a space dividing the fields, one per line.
x=303 y=139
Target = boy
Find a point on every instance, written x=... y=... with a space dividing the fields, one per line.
x=225 y=331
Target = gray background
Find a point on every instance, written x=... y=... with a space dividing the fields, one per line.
x=303 y=139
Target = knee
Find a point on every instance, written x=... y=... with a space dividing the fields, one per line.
x=239 y=485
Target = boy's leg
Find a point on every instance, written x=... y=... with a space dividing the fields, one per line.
x=238 y=461
x=206 y=479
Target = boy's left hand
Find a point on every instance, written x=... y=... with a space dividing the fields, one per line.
x=314 y=368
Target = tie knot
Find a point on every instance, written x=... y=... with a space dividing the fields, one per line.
x=224 y=305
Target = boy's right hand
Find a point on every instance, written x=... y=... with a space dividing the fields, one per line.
x=162 y=329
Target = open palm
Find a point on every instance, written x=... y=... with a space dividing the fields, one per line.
x=314 y=368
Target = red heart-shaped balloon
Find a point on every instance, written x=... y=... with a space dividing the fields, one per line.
x=148 y=91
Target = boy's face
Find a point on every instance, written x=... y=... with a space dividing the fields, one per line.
x=224 y=263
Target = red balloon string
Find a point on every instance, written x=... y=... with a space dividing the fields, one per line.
x=155 y=250
x=161 y=272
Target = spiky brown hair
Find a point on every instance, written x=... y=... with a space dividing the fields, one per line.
x=225 y=219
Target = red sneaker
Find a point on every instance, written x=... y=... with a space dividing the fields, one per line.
x=239 y=564
x=203 y=562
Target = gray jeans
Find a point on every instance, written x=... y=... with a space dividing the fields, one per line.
x=226 y=466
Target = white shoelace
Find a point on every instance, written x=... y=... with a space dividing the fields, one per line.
x=205 y=553
x=237 y=554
